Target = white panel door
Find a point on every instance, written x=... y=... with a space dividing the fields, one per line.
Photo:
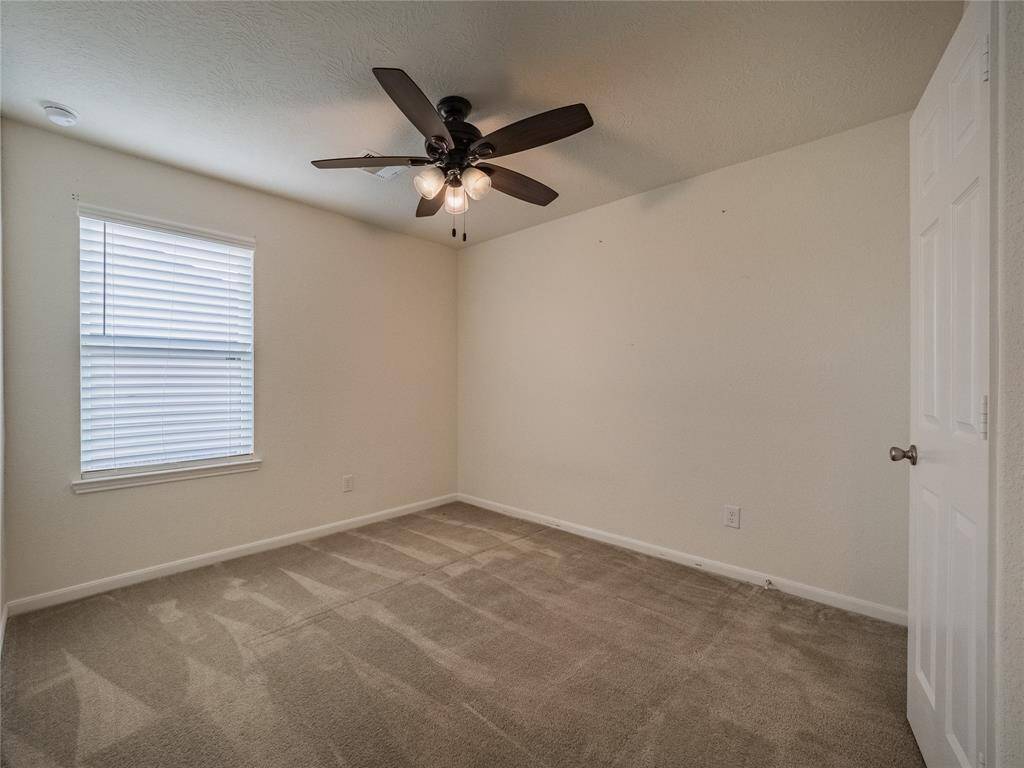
x=949 y=219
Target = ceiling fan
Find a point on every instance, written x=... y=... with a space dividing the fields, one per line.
x=454 y=148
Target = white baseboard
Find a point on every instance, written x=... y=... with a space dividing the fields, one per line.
x=3 y=631
x=835 y=599
x=78 y=591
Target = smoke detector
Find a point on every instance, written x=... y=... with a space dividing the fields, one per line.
x=60 y=115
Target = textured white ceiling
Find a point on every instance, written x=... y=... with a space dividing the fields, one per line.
x=251 y=92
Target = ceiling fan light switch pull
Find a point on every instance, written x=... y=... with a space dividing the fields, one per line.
x=453 y=231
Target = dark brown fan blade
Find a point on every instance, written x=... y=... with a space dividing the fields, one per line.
x=431 y=206
x=371 y=162
x=535 y=131
x=413 y=103
x=517 y=185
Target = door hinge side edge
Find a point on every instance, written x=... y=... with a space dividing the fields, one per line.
x=986 y=71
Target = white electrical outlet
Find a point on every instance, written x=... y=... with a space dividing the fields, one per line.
x=348 y=483
x=731 y=518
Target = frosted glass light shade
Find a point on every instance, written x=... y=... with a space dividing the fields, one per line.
x=476 y=182
x=429 y=182
x=455 y=200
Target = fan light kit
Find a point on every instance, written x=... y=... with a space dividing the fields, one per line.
x=60 y=115
x=452 y=169
x=429 y=182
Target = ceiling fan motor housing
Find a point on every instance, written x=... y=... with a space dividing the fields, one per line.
x=454 y=110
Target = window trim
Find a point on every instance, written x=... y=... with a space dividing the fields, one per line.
x=163 y=225
x=112 y=479
x=153 y=474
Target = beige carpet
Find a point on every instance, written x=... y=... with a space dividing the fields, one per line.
x=454 y=637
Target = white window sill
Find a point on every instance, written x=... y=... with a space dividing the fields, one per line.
x=170 y=475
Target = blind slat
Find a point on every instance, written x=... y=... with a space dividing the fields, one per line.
x=166 y=347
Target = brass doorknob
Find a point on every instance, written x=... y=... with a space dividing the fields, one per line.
x=898 y=454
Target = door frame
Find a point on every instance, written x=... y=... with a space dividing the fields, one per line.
x=997 y=109
x=1002 y=435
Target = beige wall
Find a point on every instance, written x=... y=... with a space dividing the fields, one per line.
x=355 y=369
x=3 y=538
x=737 y=338
x=1009 y=523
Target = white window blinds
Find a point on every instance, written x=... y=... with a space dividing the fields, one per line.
x=166 y=347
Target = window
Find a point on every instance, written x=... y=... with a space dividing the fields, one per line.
x=166 y=347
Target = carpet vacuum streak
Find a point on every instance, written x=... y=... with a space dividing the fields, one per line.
x=452 y=638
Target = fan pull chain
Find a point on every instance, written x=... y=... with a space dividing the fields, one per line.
x=465 y=213
x=453 y=225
